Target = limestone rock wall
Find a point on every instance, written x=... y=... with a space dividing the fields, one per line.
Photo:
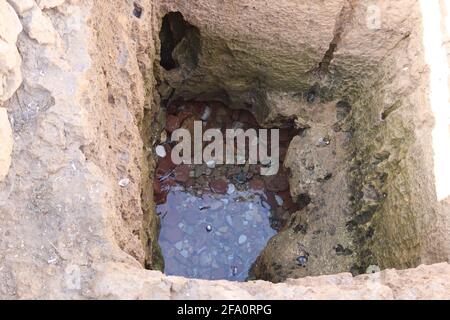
x=75 y=206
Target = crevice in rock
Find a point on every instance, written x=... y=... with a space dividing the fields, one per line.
x=386 y=113
x=344 y=17
x=173 y=31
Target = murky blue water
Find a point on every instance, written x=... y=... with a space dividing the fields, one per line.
x=213 y=236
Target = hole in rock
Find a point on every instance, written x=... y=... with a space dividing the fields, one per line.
x=137 y=10
x=173 y=32
x=217 y=218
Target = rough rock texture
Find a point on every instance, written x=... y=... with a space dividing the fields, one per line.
x=115 y=281
x=237 y=61
x=10 y=73
x=6 y=145
x=84 y=116
x=21 y=6
x=317 y=161
x=39 y=27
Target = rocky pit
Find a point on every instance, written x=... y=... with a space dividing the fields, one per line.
x=86 y=91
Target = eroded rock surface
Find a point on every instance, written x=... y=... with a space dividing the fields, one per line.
x=83 y=119
x=6 y=145
x=10 y=61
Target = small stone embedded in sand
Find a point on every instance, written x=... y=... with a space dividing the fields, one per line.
x=172 y=123
x=211 y=164
x=124 y=182
x=373 y=269
x=161 y=151
x=231 y=188
x=279 y=200
x=242 y=239
x=206 y=113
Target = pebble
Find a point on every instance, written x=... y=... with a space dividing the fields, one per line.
x=223 y=229
x=373 y=269
x=161 y=151
x=322 y=142
x=265 y=205
x=209 y=228
x=218 y=186
x=302 y=260
x=163 y=137
x=241 y=177
x=257 y=184
x=124 y=182
x=172 y=123
x=237 y=125
x=184 y=253
x=231 y=188
x=279 y=200
x=311 y=97
x=211 y=164
x=179 y=245
x=206 y=113
x=242 y=239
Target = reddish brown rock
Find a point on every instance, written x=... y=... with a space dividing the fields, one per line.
x=164 y=166
x=172 y=123
x=277 y=182
x=184 y=114
x=271 y=200
x=156 y=186
x=160 y=198
x=288 y=203
x=257 y=184
x=182 y=173
x=218 y=186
